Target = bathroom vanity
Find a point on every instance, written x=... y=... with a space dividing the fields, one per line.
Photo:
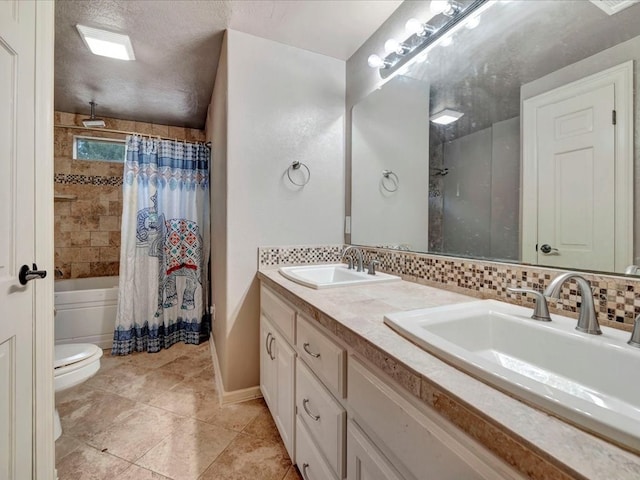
x=352 y=399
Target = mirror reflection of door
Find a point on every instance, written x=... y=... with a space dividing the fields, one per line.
x=580 y=217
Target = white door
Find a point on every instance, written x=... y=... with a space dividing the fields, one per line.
x=576 y=181
x=577 y=170
x=17 y=86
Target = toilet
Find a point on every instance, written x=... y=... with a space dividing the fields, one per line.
x=74 y=363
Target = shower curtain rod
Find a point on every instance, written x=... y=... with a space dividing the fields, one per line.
x=124 y=132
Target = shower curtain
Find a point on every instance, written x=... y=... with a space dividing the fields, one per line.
x=164 y=248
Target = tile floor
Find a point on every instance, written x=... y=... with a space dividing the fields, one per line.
x=156 y=416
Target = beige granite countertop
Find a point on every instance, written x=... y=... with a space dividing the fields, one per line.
x=539 y=445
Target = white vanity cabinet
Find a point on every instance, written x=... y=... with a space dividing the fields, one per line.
x=277 y=366
x=350 y=420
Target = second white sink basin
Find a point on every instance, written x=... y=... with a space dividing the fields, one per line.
x=333 y=275
x=589 y=380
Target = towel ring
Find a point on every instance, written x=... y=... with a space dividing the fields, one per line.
x=296 y=166
x=389 y=175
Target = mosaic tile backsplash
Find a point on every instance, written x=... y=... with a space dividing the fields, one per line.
x=616 y=298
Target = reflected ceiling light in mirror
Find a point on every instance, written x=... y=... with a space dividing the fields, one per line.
x=446 y=116
x=424 y=35
x=473 y=22
x=106 y=44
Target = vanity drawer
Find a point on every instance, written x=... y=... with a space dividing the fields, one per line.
x=417 y=440
x=324 y=357
x=308 y=458
x=278 y=312
x=364 y=461
x=323 y=415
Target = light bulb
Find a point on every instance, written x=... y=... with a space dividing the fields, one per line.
x=375 y=61
x=392 y=46
x=438 y=6
x=473 y=22
x=414 y=26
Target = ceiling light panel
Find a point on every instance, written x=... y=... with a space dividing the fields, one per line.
x=106 y=44
x=445 y=117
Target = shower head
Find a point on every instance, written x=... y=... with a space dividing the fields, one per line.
x=93 y=122
x=440 y=172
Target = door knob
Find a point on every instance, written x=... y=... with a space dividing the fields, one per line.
x=26 y=274
x=549 y=250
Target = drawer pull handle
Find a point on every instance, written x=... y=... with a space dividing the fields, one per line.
x=305 y=401
x=305 y=467
x=271 y=354
x=306 y=349
x=266 y=344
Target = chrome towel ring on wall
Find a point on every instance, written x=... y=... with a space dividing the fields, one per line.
x=393 y=181
x=296 y=166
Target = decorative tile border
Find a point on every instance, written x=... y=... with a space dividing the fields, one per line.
x=299 y=255
x=74 y=179
x=616 y=298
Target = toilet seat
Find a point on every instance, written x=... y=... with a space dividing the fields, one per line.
x=74 y=363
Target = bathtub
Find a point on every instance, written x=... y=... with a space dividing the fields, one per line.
x=86 y=310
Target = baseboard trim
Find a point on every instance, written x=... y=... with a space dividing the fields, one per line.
x=234 y=396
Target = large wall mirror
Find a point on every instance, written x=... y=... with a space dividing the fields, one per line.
x=509 y=139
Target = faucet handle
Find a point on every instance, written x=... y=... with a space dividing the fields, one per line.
x=541 y=310
x=350 y=262
x=372 y=267
x=634 y=341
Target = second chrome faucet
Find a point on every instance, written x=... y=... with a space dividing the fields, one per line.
x=587 y=319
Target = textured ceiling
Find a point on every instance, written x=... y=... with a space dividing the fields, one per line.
x=177 y=45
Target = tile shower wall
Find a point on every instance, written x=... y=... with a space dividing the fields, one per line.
x=616 y=298
x=87 y=225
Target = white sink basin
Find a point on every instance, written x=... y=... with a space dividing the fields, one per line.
x=590 y=380
x=334 y=275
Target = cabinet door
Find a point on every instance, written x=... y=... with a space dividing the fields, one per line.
x=284 y=384
x=267 y=364
x=364 y=461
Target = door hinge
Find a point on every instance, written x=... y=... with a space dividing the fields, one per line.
x=613 y=117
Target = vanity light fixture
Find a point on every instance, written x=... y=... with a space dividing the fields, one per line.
x=394 y=46
x=446 y=116
x=106 y=44
x=376 y=61
x=447 y=15
x=449 y=8
x=416 y=27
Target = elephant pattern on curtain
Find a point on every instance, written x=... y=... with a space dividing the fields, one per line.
x=177 y=244
x=163 y=252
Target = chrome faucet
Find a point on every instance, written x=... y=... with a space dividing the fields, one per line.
x=587 y=320
x=358 y=252
x=541 y=310
x=634 y=341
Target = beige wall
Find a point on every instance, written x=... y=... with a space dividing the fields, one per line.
x=87 y=227
x=217 y=132
x=272 y=104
